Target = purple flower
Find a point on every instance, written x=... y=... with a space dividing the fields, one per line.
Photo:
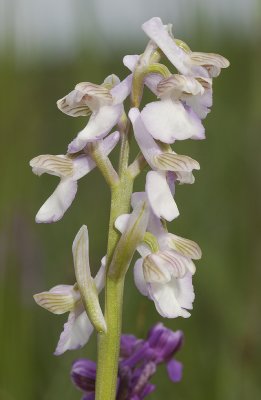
x=138 y=363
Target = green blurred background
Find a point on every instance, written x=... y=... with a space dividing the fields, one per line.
x=46 y=48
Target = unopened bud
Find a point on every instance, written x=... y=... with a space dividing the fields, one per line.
x=85 y=281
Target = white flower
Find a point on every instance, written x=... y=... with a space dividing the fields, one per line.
x=164 y=275
x=69 y=169
x=168 y=167
x=183 y=102
x=169 y=119
x=103 y=104
x=66 y=298
x=187 y=62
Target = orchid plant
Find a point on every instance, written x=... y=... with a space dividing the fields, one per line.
x=164 y=271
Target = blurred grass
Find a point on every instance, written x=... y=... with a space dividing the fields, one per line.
x=221 y=211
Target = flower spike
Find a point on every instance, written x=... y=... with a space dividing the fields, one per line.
x=182 y=98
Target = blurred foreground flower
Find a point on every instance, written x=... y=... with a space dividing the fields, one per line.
x=138 y=363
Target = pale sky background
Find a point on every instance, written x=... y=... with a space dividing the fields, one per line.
x=60 y=27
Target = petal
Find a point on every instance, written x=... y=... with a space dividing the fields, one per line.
x=85 y=98
x=137 y=197
x=212 y=62
x=83 y=164
x=121 y=222
x=152 y=81
x=171 y=181
x=111 y=81
x=160 y=197
x=121 y=91
x=128 y=344
x=199 y=132
x=148 y=389
x=175 y=162
x=200 y=58
x=83 y=374
x=74 y=105
x=186 y=247
x=59 y=299
x=156 y=31
x=164 y=342
x=109 y=143
x=174 y=369
x=200 y=104
x=184 y=177
x=147 y=144
x=99 y=125
x=154 y=226
x=56 y=205
x=168 y=120
x=59 y=165
x=139 y=277
x=165 y=297
x=156 y=269
x=161 y=266
x=184 y=291
x=178 y=84
x=130 y=61
x=76 y=333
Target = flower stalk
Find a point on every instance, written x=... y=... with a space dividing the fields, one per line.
x=165 y=268
x=109 y=342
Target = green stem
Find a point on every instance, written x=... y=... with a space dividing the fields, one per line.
x=108 y=343
x=104 y=164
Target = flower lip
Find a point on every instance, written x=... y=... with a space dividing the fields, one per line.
x=160 y=196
